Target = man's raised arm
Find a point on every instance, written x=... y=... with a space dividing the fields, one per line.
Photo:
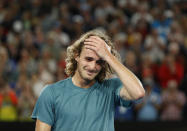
x=132 y=87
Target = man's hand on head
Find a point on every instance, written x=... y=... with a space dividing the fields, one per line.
x=98 y=45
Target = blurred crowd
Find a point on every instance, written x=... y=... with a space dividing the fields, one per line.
x=150 y=35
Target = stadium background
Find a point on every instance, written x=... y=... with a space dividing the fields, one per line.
x=150 y=35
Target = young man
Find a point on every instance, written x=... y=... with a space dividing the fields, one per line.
x=87 y=99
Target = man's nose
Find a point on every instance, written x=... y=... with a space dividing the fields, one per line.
x=92 y=65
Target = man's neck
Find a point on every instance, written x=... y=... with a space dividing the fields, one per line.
x=80 y=82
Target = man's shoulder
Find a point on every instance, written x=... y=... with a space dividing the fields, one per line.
x=61 y=82
x=57 y=85
x=110 y=81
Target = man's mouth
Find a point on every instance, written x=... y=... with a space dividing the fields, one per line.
x=91 y=72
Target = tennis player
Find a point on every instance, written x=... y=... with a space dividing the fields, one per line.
x=86 y=100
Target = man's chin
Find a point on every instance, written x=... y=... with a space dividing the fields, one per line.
x=89 y=78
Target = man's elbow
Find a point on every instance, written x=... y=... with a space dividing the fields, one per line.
x=140 y=94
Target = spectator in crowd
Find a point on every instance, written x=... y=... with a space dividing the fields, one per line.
x=8 y=102
x=149 y=109
x=155 y=46
x=161 y=23
x=170 y=69
x=131 y=62
x=26 y=101
x=173 y=102
x=124 y=114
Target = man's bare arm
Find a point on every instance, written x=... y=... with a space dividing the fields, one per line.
x=41 y=126
x=132 y=87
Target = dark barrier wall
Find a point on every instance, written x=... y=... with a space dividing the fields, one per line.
x=120 y=126
x=17 y=126
x=151 y=126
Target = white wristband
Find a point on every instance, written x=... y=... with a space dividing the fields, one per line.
x=108 y=47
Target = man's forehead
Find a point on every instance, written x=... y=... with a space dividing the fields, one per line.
x=89 y=53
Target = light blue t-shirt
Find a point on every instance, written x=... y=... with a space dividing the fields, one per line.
x=67 y=107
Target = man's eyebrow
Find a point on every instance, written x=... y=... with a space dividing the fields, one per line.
x=88 y=57
x=91 y=58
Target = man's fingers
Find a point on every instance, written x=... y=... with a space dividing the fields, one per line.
x=90 y=43
x=87 y=46
x=95 y=40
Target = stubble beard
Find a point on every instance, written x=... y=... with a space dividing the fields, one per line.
x=83 y=76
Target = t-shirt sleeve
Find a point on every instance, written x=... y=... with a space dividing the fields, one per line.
x=117 y=85
x=44 y=108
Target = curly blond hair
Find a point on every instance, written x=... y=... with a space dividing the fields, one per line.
x=76 y=48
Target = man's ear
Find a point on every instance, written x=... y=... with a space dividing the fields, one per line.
x=76 y=57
